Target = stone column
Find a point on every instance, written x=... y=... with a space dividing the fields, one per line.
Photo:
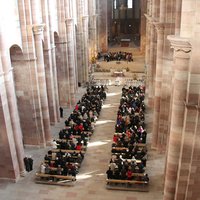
x=148 y=33
x=49 y=65
x=102 y=26
x=10 y=124
x=70 y=14
x=82 y=36
x=61 y=57
x=188 y=173
x=178 y=17
x=38 y=36
x=9 y=165
x=54 y=69
x=50 y=86
x=35 y=135
x=92 y=29
x=94 y=35
x=51 y=30
x=156 y=136
x=86 y=46
x=109 y=17
x=71 y=57
x=182 y=49
x=151 y=64
x=143 y=26
x=147 y=58
x=63 y=73
x=79 y=36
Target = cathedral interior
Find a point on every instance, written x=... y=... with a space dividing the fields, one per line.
x=52 y=50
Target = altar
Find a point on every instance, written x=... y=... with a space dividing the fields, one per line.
x=125 y=42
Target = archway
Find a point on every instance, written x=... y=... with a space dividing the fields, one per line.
x=23 y=90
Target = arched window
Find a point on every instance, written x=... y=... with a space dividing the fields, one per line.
x=115 y=4
x=130 y=3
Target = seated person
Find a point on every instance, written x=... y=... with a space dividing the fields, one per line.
x=109 y=173
x=42 y=168
x=129 y=174
x=59 y=170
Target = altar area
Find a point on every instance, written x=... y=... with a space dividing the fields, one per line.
x=120 y=72
x=125 y=42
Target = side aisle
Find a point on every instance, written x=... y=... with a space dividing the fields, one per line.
x=62 y=162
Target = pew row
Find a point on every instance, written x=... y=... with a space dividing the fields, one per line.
x=67 y=151
x=54 y=179
x=133 y=185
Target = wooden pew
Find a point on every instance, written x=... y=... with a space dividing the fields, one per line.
x=139 y=174
x=125 y=149
x=54 y=179
x=125 y=181
x=67 y=151
x=116 y=184
x=137 y=144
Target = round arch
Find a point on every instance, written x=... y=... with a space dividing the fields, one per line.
x=22 y=83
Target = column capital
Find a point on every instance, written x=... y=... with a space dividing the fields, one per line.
x=85 y=17
x=50 y=48
x=2 y=74
x=26 y=59
x=7 y=74
x=38 y=28
x=191 y=106
x=150 y=19
x=69 y=21
x=182 y=46
x=159 y=27
x=95 y=15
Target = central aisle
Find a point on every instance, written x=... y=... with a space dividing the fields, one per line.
x=91 y=184
x=95 y=164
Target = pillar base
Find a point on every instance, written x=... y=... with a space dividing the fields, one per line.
x=49 y=143
x=23 y=173
x=154 y=147
x=161 y=150
x=150 y=102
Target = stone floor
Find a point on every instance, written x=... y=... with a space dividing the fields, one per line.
x=90 y=183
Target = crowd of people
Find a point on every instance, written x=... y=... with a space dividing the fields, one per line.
x=67 y=152
x=116 y=56
x=129 y=152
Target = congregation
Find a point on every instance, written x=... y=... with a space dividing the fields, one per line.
x=127 y=165
x=129 y=152
x=116 y=56
x=63 y=161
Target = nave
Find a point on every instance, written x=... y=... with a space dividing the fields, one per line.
x=90 y=182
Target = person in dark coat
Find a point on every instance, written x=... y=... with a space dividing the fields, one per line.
x=26 y=163
x=61 y=112
x=109 y=173
x=30 y=161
